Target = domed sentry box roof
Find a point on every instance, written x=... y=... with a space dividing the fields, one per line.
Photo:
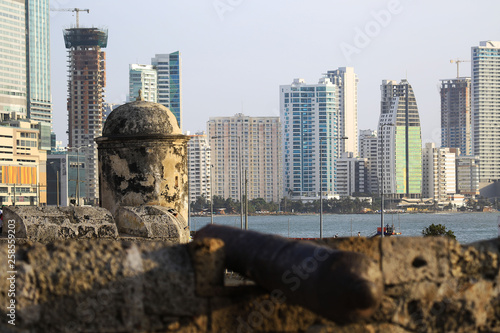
x=141 y=119
x=143 y=159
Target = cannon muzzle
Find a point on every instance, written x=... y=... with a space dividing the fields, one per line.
x=341 y=286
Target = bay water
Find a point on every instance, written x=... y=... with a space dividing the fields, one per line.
x=467 y=227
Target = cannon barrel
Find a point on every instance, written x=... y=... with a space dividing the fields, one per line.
x=341 y=286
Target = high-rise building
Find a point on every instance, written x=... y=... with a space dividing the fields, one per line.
x=346 y=82
x=486 y=108
x=400 y=161
x=87 y=78
x=144 y=78
x=64 y=172
x=22 y=163
x=369 y=149
x=251 y=145
x=456 y=114
x=309 y=118
x=468 y=176
x=13 y=79
x=39 y=97
x=199 y=166
x=168 y=67
x=351 y=175
x=107 y=109
x=438 y=172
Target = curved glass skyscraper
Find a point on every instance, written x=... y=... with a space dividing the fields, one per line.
x=400 y=145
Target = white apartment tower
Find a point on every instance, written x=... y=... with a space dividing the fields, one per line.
x=486 y=108
x=199 y=166
x=438 y=173
x=351 y=175
x=369 y=149
x=311 y=135
x=246 y=145
x=144 y=78
x=346 y=82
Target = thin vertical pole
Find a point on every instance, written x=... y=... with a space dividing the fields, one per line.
x=382 y=185
x=211 y=196
x=240 y=176
x=57 y=188
x=78 y=176
x=246 y=200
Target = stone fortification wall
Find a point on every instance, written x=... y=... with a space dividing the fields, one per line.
x=47 y=224
x=430 y=285
x=152 y=222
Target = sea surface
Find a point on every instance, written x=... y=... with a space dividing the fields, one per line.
x=467 y=227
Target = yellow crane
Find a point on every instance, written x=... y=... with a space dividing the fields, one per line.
x=76 y=10
x=458 y=61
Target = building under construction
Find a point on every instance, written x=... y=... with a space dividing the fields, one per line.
x=86 y=82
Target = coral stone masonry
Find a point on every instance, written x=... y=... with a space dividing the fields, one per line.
x=143 y=159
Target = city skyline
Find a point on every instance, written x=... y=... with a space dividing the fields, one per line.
x=225 y=47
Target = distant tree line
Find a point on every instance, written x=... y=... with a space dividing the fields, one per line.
x=339 y=206
x=346 y=205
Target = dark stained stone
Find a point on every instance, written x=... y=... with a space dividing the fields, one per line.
x=141 y=118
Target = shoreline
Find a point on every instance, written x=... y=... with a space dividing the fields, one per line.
x=373 y=213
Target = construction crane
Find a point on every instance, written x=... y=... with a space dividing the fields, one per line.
x=458 y=61
x=76 y=10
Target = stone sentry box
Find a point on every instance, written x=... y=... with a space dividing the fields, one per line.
x=143 y=159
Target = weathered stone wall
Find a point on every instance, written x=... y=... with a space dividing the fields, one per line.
x=137 y=172
x=47 y=224
x=154 y=222
x=430 y=284
x=143 y=159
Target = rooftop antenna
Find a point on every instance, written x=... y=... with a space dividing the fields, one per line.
x=76 y=10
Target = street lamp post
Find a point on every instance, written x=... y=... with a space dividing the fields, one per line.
x=211 y=196
x=382 y=178
x=238 y=139
x=321 y=183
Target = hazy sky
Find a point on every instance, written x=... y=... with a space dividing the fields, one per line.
x=236 y=53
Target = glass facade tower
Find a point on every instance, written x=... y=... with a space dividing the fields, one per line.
x=168 y=67
x=39 y=104
x=400 y=141
x=309 y=119
x=13 y=57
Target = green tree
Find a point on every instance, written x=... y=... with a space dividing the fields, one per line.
x=437 y=230
x=200 y=204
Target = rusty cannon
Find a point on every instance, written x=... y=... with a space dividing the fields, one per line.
x=338 y=285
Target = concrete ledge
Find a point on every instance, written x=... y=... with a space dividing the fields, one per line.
x=47 y=224
x=155 y=222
